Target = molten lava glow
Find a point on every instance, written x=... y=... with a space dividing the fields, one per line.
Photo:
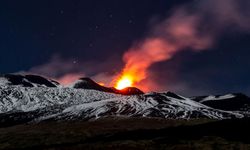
x=123 y=82
x=101 y=83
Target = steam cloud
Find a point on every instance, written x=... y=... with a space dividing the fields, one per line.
x=194 y=27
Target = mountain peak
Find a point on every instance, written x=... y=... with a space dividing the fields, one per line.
x=26 y=103
x=85 y=83
x=88 y=83
x=131 y=91
x=28 y=80
x=229 y=102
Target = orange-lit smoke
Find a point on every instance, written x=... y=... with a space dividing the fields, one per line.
x=190 y=27
x=183 y=30
x=174 y=35
x=69 y=78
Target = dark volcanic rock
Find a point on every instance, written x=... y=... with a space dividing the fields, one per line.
x=29 y=80
x=236 y=102
x=131 y=91
x=17 y=80
x=40 y=80
x=87 y=83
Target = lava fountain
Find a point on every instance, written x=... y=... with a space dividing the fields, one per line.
x=183 y=30
x=123 y=82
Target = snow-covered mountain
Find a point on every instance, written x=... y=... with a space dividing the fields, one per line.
x=27 y=81
x=87 y=83
x=230 y=102
x=32 y=98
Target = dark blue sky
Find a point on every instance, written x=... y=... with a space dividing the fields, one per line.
x=33 y=32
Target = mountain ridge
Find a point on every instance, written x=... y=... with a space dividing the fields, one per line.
x=87 y=100
x=30 y=80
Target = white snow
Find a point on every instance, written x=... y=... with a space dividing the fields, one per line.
x=4 y=81
x=223 y=97
x=70 y=103
x=27 y=99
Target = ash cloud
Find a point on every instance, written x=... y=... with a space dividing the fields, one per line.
x=195 y=27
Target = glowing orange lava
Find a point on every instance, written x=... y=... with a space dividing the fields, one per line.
x=101 y=83
x=123 y=82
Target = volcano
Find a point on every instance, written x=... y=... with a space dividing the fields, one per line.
x=31 y=98
x=87 y=115
x=87 y=83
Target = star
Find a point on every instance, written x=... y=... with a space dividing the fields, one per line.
x=130 y=21
x=90 y=44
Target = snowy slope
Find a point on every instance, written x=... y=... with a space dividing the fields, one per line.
x=149 y=105
x=19 y=103
x=26 y=81
x=69 y=103
x=18 y=98
x=231 y=102
x=4 y=81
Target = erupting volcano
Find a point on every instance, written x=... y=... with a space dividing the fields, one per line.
x=151 y=74
x=124 y=82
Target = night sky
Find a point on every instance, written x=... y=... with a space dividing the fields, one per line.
x=55 y=38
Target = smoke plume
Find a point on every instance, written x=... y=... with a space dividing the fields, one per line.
x=195 y=26
x=66 y=71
